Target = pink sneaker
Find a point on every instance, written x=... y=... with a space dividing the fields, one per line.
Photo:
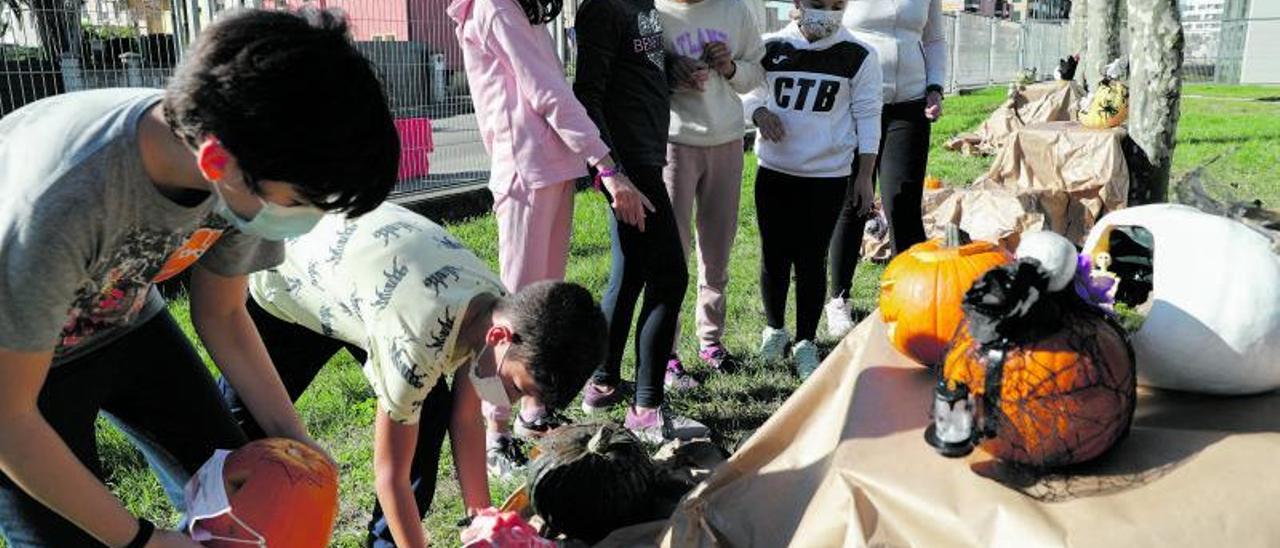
x=718 y=359
x=676 y=377
x=598 y=397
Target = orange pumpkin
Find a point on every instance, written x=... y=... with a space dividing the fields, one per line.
x=921 y=290
x=286 y=491
x=932 y=183
x=1062 y=396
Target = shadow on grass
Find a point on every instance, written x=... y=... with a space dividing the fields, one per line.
x=1228 y=140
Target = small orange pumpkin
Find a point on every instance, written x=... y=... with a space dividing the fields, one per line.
x=932 y=183
x=921 y=290
x=1055 y=382
x=286 y=491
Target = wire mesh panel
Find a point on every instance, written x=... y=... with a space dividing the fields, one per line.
x=973 y=51
x=949 y=30
x=64 y=46
x=414 y=47
x=1006 y=51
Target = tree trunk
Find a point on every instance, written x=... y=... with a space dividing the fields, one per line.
x=1155 y=94
x=1077 y=28
x=1103 y=37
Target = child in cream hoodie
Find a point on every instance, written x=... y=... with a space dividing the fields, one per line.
x=714 y=50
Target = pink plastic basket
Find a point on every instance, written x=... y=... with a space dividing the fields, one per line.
x=416 y=146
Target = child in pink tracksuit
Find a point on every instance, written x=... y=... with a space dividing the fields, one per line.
x=540 y=141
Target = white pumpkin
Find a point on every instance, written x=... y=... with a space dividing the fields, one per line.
x=1214 y=324
x=1057 y=255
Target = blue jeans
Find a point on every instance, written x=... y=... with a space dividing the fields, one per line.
x=152 y=381
x=298 y=354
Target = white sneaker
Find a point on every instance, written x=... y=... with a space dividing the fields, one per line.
x=805 y=354
x=773 y=344
x=839 y=317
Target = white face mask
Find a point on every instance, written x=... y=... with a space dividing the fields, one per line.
x=273 y=221
x=206 y=495
x=490 y=389
x=818 y=24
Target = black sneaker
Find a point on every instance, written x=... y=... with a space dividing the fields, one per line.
x=540 y=425
x=506 y=458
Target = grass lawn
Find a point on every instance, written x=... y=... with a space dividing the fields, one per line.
x=1218 y=120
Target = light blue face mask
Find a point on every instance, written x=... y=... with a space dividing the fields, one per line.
x=273 y=221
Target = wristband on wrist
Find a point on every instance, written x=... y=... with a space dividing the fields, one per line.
x=605 y=172
x=145 y=530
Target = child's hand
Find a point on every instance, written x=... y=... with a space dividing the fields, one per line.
x=689 y=73
x=770 y=124
x=718 y=56
x=629 y=204
x=866 y=195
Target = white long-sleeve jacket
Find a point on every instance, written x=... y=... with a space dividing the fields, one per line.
x=827 y=94
x=910 y=40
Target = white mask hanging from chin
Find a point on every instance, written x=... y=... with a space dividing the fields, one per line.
x=490 y=389
x=207 y=499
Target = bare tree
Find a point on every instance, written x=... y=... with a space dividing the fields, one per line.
x=1102 y=38
x=1078 y=28
x=1155 y=93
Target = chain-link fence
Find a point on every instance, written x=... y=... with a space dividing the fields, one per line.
x=57 y=46
x=49 y=47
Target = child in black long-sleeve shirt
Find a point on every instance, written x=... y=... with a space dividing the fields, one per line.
x=622 y=82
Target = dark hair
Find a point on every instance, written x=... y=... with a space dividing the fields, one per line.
x=561 y=337
x=591 y=479
x=293 y=100
x=541 y=11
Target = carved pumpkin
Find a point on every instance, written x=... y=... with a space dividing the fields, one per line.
x=1050 y=378
x=1214 y=320
x=1109 y=106
x=285 y=491
x=921 y=289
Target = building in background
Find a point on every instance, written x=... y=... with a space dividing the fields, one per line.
x=1201 y=27
x=1026 y=10
x=1255 y=26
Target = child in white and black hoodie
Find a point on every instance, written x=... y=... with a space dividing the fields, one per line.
x=819 y=107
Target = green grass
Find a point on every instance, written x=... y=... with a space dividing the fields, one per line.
x=339 y=406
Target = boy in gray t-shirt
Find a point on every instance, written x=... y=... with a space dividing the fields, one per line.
x=273 y=119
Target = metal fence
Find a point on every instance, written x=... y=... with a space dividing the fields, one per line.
x=70 y=45
x=984 y=51
x=56 y=46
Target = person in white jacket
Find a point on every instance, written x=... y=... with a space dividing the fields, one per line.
x=819 y=108
x=909 y=38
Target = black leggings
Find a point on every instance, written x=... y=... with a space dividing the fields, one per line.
x=298 y=354
x=795 y=216
x=900 y=171
x=652 y=261
x=150 y=380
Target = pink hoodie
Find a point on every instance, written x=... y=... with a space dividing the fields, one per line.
x=531 y=123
